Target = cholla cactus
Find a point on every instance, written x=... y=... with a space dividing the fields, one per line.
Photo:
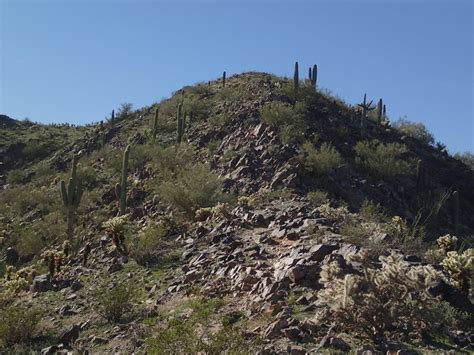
x=447 y=242
x=19 y=280
x=460 y=268
x=378 y=299
x=203 y=213
x=243 y=201
x=114 y=228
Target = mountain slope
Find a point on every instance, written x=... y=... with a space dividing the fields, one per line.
x=239 y=235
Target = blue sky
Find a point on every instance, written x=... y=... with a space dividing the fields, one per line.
x=73 y=61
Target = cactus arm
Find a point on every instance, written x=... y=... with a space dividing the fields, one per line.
x=118 y=188
x=63 y=192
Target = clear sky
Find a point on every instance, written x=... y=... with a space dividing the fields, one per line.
x=73 y=61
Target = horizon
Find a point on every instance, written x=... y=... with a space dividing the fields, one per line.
x=419 y=58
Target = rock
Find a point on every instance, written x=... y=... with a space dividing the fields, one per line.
x=11 y=256
x=76 y=285
x=339 y=344
x=49 y=350
x=319 y=251
x=70 y=335
x=274 y=329
x=66 y=310
x=115 y=268
x=98 y=340
x=292 y=333
x=42 y=283
x=296 y=350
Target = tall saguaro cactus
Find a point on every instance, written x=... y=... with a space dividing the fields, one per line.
x=155 y=124
x=223 y=79
x=296 y=81
x=121 y=188
x=180 y=124
x=365 y=107
x=379 y=111
x=71 y=197
x=314 y=76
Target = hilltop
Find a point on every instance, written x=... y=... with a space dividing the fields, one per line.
x=254 y=215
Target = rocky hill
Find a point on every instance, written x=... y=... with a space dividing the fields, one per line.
x=254 y=214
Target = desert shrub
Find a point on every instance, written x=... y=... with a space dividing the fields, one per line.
x=212 y=146
x=193 y=335
x=29 y=243
x=167 y=161
x=124 y=111
x=219 y=120
x=393 y=298
x=317 y=197
x=285 y=119
x=43 y=170
x=16 y=176
x=114 y=303
x=193 y=188
x=382 y=160
x=320 y=161
x=414 y=130
x=198 y=109
x=467 y=158
x=18 y=324
x=372 y=212
x=152 y=246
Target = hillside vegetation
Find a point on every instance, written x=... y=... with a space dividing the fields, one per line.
x=250 y=214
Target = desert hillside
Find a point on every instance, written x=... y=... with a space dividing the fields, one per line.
x=247 y=214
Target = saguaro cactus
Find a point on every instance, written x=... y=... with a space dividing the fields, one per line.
x=310 y=77
x=121 y=188
x=179 y=124
x=379 y=111
x=223 y=79
x=365 y=107
x=155 y=124
x=71 y=197
x=296 y=81
x=314 y=76
x=112 y=118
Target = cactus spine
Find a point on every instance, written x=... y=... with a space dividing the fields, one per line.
x=155 y=124
x=121 y=188
x=223 y=79
x=296 y=81
x=180 y=124
x=455 y=197
x=71 y=197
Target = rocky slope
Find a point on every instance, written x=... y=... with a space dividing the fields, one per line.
x=273 y=227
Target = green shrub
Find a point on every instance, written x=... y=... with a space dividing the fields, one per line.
x=372 y=212
x=467 y=158
x=200 y=109
x=192 y=188
x=115 y=303
x=212 y=147
x=124 y=111
x=16 y=176
x=18 y=324
x=414 y=130
x=321 y=161
x=317 y=197
x=285 y=119
x=29 y=243
x=382 y=160
x=151 y=246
